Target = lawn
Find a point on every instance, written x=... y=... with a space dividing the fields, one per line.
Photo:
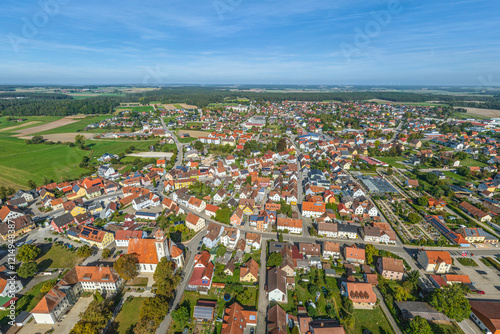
x=128 y=316
x=20 y=162
x=467 y=262
x=80 y=125
x=469 y=162
x=138 y=281
x=58 y=257
x=187 y=140
x=26 y=302
x=373 y=320
x=393 y=161
x=454 y=176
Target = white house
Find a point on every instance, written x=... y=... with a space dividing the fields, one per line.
x=276 y=285
x=230 y=237
x=194 y=222
x=328 y=230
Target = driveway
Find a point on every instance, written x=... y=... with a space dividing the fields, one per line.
x=64 y=326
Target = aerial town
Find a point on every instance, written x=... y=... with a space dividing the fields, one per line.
x=260 y=217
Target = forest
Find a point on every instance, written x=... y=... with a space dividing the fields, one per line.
x=31 y=104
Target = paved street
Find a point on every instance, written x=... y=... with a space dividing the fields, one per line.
x=186 y=274
x=263 y=302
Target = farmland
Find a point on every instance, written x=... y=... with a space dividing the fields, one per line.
x=74 y=127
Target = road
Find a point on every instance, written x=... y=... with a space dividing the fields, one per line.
x=263 y=301
x=180 y=151
x=186 y=275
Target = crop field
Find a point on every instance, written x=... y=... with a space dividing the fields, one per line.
x=9 y=126
x=75 y=126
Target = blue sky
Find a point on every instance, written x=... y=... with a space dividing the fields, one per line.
x=398 y=42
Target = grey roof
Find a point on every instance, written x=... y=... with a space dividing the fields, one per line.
x=411 y=309
x=203 y=312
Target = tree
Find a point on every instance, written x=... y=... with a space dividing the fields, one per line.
x=280 y=237
x=126 y=266
x=419 y=325
x=106 y=253
x=221 y=250
x=451 y=301
x=414 y=218
x=27 y=253
x=31 y=184
x=181 y=315
x=47 y=286
x=413 y=277
x=274 y=260
x=166 y=280
x=80 y=141
x=27 y=269
x=312 y=311
x=281 y=146
x=152 y=312
x=370 y=251
x=431 y=178
x=198 y=145
x=423 y=201
x=84 y=251
x=223 y=215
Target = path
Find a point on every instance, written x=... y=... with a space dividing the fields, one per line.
x=388 y=314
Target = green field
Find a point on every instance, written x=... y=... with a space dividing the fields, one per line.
x=454 y=176
x=4 y=123
x=74 y=127
x=187 y=140
x=138 y=109
x=101 y=146
x=128 y=316
x=469 y=162
x=58 y=257
x=20 y=162
x=393 y=161
x=373 y=320
x=81 y=96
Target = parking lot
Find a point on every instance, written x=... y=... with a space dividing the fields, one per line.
x=486 y=282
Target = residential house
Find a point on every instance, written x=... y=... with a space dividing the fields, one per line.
x=355 y=255
x=276 y=285
x=438 y=262
x=201 y=278
x=392 y=269
x=331 y=250
x=249 y=272
x=361 y=294
x=194 y=222
x=236 y=319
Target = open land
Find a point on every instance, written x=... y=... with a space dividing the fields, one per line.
x=194 y=133
x=45 y=127
x=482 y=112
x=10 y=128
x=173 y=106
